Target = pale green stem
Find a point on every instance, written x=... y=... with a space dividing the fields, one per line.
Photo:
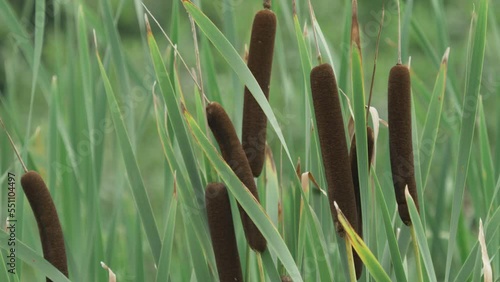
x=261 y=267
x=417 y=254
x=350 y=260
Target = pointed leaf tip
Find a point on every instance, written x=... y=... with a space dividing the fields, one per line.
x=95 y=42
x=407 y=192
x=148 y=26
x=487 y=270
x=336 y=206
x=446 y=56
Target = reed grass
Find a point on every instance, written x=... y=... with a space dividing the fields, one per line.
x=128 y=182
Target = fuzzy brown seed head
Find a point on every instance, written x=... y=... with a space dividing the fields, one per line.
x=232 y=152
x=220 y=223
x=49 y=227
x=260 y=61
x=400 y=138
x=358 y=264
x=333 y=143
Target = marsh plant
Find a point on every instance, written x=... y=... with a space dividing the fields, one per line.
x=250 y=140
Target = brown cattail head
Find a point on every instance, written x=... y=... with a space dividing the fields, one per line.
x=260 y=61
x=220 y=223
x=333 y=144
x=232 y=152
x=358 y=264
x=400 y=138
x=49 y=226
x=286 y=278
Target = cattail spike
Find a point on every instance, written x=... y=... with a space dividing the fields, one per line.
x=333 y=143
x=47 y=219
x=232 y=152
x=260 y=61
x=220 y=223
x=400 y=138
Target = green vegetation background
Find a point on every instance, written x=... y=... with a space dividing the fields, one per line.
x=49 y=118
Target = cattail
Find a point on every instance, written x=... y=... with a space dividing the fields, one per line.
x=333 y=144
x=260 y=61
x=233 y=154
x=49 y=226
x=400 y=138
x=286 y=278
x=358 y=264
x=220 y=223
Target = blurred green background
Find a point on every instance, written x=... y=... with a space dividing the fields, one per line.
x=424 y=35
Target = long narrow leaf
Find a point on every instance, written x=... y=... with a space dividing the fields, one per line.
x=467 y=128
x=364 y=253
x=141 y=198
x=421 y=238
x=432 y=121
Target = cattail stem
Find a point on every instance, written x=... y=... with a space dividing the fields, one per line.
x=417 y=254
x=232 y=152
x=47 y=219
x=220 y=223
x=381 y=24
x=266 y=4
x=262 y=276
x=313 y=20
x=350 y=260
x=400 y=61
x=333 y=144
x=260 y=60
